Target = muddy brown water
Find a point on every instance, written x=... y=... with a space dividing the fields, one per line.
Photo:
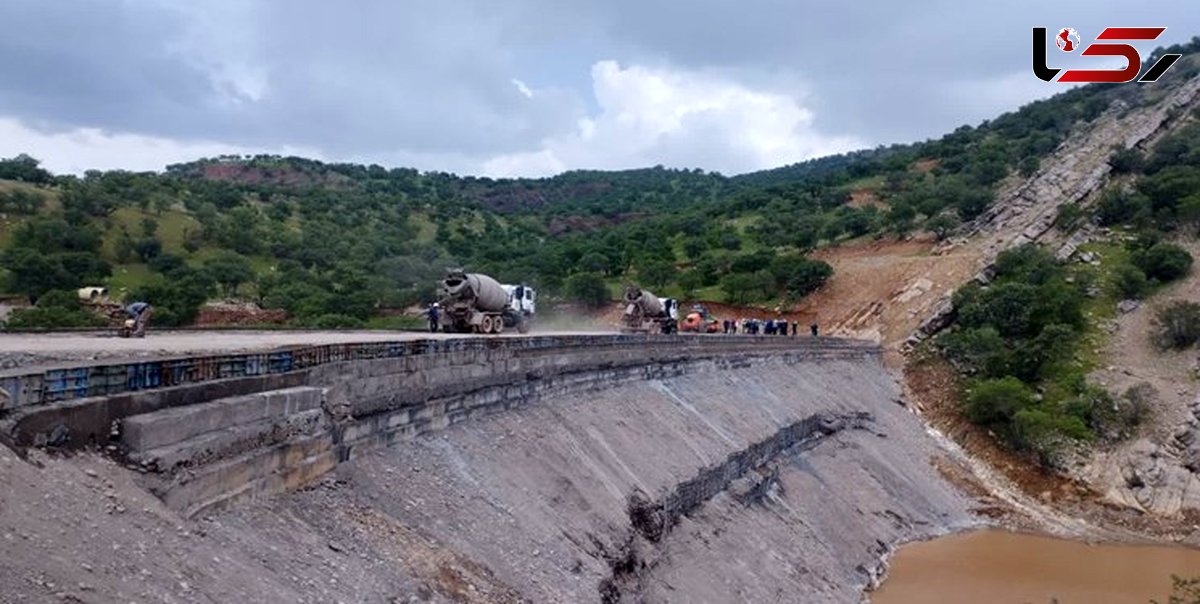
x=1002 y=567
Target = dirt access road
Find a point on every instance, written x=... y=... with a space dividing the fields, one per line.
x=31 y=349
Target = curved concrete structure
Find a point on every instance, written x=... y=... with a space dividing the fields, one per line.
x=632 y=467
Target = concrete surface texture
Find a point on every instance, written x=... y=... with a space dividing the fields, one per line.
x=214 y=442
x=20 y=349
x=542 y=496
x=777 y=480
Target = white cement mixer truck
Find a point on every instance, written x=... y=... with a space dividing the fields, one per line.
x=473 y=302
x=646 y=312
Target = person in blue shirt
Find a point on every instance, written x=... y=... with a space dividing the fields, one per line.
x=434 y=313
x=140 y=313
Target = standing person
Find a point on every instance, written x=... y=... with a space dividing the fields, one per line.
x=736 y=322
x=795 y=328
x=770 y=328
x=434 y=314
x=813 y=329
x=725 y=326
x=140 y=313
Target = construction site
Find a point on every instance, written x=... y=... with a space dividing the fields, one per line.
x=308 y=382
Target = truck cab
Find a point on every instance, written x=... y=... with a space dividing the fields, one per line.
x=522 y=299
x=671 y=305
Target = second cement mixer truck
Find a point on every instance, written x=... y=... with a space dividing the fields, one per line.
x=646 y=312
x=473 y=302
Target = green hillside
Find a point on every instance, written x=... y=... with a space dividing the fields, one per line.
x=335 y=243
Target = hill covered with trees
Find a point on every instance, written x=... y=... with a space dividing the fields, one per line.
x=334 y=243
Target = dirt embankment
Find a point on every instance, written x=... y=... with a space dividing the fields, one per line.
x=1012 y=489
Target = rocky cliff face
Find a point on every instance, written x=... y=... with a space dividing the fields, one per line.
x=1154 y=473
x=1025 y=209
x=1161 y=477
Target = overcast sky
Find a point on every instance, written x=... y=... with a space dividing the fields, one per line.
x=521 y=87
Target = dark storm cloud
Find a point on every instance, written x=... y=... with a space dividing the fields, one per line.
x=81 y=62
x=430 y=75
x=882 y=70
x=351 y=79
x=432 y=82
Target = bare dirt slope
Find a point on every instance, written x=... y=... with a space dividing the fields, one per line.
x=882 y=290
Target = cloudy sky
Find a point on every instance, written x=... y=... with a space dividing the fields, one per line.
x=521 y=87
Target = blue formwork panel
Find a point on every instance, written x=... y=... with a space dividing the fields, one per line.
x=65 y=384
x=101 y=380
x=114 y=380
x=256 y=364
x=53 y=384
x=142 y=376
x=279 y=362
x=230 y=367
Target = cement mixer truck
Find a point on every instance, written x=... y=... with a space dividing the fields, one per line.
x=472 y=302
x=646 y=312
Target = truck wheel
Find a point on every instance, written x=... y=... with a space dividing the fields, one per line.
x=498 y=325
x=485 y=325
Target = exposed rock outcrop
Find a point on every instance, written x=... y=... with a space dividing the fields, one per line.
x=1025 y=209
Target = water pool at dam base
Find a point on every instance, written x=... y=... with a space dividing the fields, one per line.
x=994 y=566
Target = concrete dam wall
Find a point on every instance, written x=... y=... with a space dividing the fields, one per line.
x=599 y=468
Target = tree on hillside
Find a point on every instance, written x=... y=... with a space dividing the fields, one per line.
x=24 y=168
x=32 y=273
x=595 y=262
x=656 y=273
x=242 y=230
x=690 y=281
x=147 y=248
x=744 y=288
x=229 y=270
x=22 y=202
x=588 y=289
x=176 y=299
x=942 y=225
x=1164 y=262
x=50 y=235
x=797 y=276
x=1125 y=160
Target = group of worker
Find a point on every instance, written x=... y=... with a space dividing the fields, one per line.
x=770 y=327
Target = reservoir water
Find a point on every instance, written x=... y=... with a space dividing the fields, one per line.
x=997 y=566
